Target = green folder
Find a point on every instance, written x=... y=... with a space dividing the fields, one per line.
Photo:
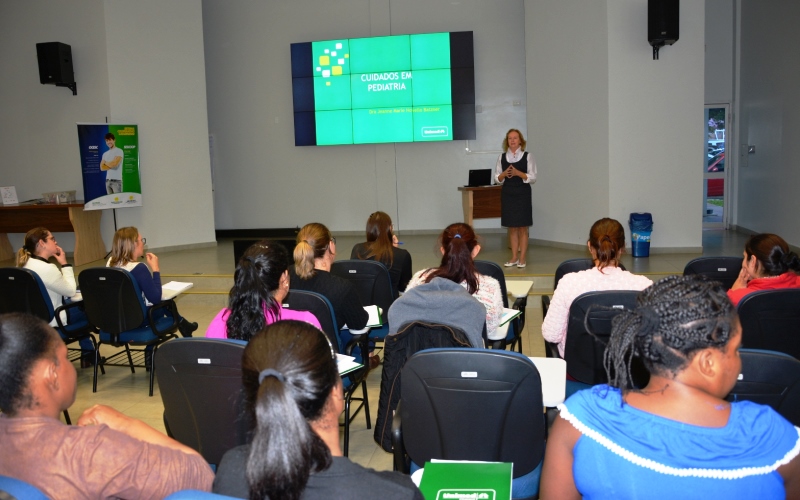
x=466 y=481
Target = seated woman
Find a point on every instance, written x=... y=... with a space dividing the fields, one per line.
x=459 y=246
x=126 y=250
x=606 y=244
x=260 y=284
x=38 y=247
x=293 y=392
x=106 y=455
x=677 y=436
x=768 y=264
x=382 y=246
x=313 y=256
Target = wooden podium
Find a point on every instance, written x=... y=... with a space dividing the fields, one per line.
x=480 y=202
x=70 y=218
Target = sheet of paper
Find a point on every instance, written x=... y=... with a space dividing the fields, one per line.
x=173 y=289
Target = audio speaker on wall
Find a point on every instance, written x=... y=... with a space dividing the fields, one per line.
x=55 y=63
x=662 y=22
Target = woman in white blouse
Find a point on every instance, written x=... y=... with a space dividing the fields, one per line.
x=516 y=171
x=606 y=244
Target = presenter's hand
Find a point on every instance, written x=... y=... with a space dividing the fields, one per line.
x=60 y=255
x=152 y=262
x=509 y=172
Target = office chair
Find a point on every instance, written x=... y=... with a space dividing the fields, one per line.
x=200 y=381
x=471 y=404
x=319 y=306
x=722 y=269
x=410 y=339
x=114 y=303
x=373 y=285
x=514 y=336
x=21 y=290
x=770 y=378
x=771 y=320
x=584 y=349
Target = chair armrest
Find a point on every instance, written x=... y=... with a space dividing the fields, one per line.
x=545 y=305
x=551 y=349
x=173 y=310
x=65 y=307
x=401 y=461
x=520 y=304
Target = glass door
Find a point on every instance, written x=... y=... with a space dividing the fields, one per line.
x=715 y=185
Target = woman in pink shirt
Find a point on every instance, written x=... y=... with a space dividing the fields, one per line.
x=606 y=244
x=768 y=264
x=260 y=284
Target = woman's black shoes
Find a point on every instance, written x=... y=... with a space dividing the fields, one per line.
x=186 y=328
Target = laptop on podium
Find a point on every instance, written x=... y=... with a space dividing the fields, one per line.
x=480 y=177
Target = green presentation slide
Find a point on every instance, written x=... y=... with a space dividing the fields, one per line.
x=384 y=89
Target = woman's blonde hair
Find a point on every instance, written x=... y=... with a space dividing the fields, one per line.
x=123 y=246
x=522 y=142
x=32 y=238
x=312 y=243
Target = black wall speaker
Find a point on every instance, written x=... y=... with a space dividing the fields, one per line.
x=662 y=22
x=55 y=63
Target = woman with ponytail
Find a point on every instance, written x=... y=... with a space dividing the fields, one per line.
x=768 y=264
x=293 y=393
x=459 y=246
x=677 y=437
x=313 y=256
x=260 y=284
x=382 y=246
x=38 y=247
x=606 y=245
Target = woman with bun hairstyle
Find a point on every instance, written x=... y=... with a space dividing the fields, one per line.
x=293 y=393
x=260 y=284
x=313 y=256
x=459 y=246
x=606 y=244
x=127 y=248
x=382 y=246
x=39 y=246
x=677 y=437
x=768 y=264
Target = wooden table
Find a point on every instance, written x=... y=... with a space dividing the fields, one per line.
x=480 y=202
x=70 y=218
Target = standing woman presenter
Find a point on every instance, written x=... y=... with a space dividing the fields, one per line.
x=516 y=171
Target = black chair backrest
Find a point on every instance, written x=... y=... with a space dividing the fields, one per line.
x=722 y=269
x=584 y=351
x=21 y=290
x=112 y=299
x=318 y=305
x=770 y=378
x=571 y=266
x=371 y=279
x=771 y=320
x=495 y=271
x=201 y=386
x=473 y=404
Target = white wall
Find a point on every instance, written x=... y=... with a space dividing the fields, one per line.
x=567 y=72
x=263 y=180
x=719 y=51
x=38 y=135
x=157 y=79
x=656 y=129
x=150 y=71
x=770 y=118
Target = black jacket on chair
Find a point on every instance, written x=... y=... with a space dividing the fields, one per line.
x=409 y=339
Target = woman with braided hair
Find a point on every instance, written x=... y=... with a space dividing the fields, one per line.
x=606 y=244
x=293 y=393
x=768 y=264
x=677 y=437
x=260 y=284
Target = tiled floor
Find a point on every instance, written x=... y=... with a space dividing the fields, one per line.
x=211 y=270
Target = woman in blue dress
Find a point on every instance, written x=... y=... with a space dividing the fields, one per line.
x=677 y=437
